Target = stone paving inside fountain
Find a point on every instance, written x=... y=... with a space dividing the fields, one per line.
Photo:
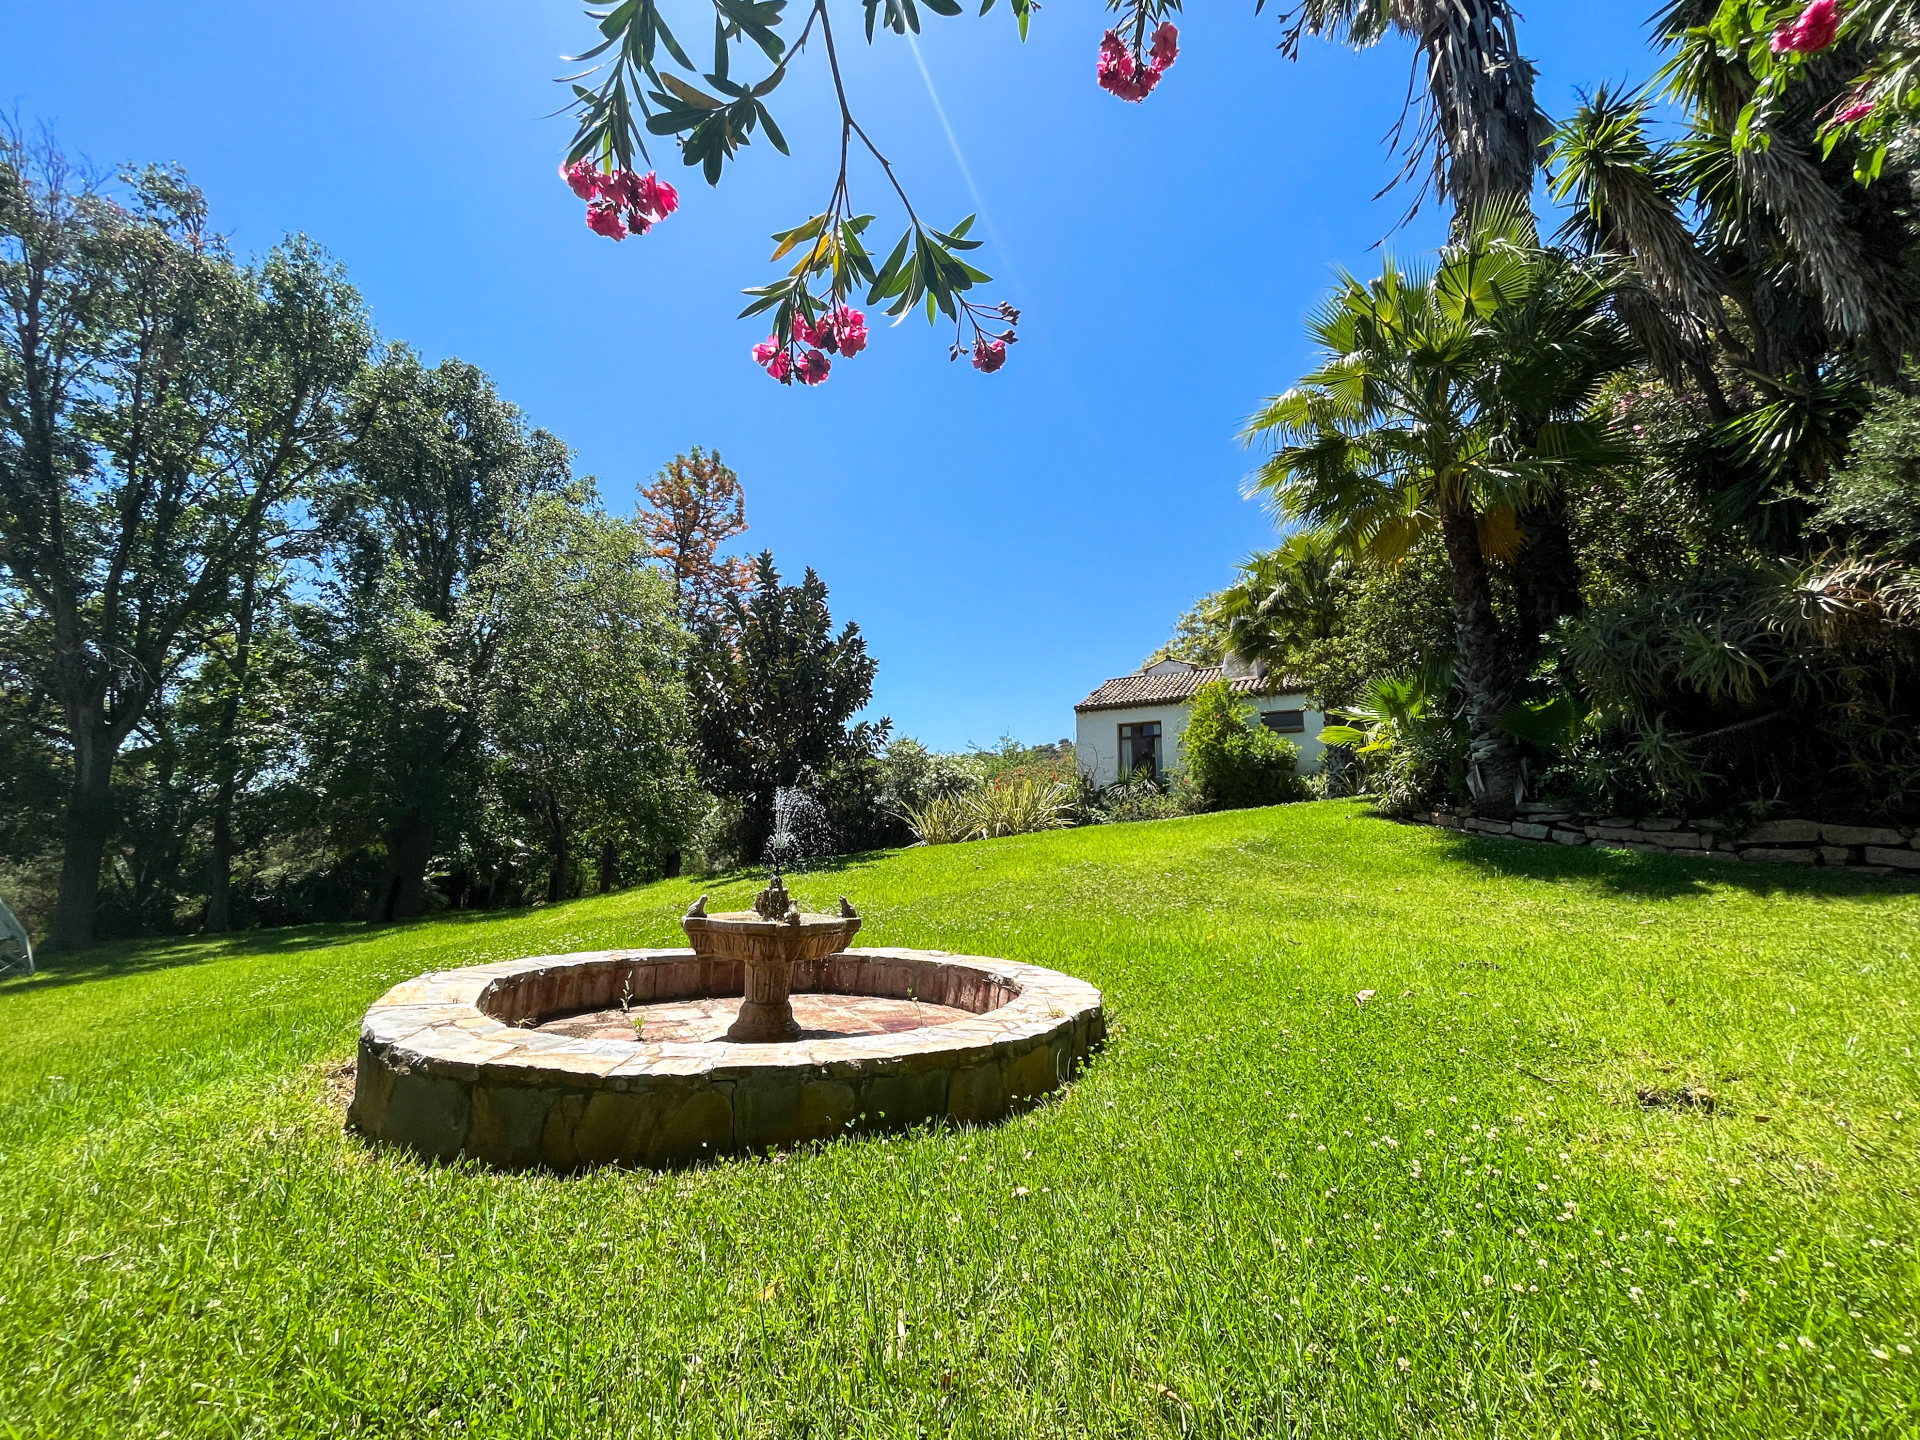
x=821 y=1017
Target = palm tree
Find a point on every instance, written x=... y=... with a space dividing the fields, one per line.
x=1478 y=122
x=1446 y=403
x=1285 y=599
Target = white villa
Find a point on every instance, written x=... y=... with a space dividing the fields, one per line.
x=1137 y=720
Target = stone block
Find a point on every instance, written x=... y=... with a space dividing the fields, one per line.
x=893 y=1101
x=1893 y=859
x=1783 y=832
x=1781 y=855
x=1860 y=835
x=372 y=1087
x=427 y=1113
x=1618 y=834
x=1677 y=840
x=1835 y=855
x=1569 y=837
x=1531 y=832
x=1490 y=827
x=1032 y=1074
x=1659 y=824
x=557 y=1148
x=507 y=1125
x=977 y=1096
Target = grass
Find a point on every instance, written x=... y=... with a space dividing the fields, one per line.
x=1268 y=1209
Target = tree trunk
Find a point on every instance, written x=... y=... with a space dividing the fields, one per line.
x=219 y=918
x=609 y=859
x=85 y=829
x=1546 y=574
x=1480 y=666
x=402 y=892
x=562 y=863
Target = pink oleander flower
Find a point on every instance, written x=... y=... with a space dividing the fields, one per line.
x=1166 y=45
x=583 y=179
x=989 y=355
x=656 y=197
x=1858 y=110
x=1120 y=73
x=849 y=328
x=621 y=187
x=814 y=367
x=806 y=333
x=781 y=366
x=604 y=219
x=1815 y=30
x=766 y=350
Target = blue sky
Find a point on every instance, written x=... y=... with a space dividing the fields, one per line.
x=1006 y=542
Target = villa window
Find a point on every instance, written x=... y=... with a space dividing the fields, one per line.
x=1287 y=722
x=1140 y=750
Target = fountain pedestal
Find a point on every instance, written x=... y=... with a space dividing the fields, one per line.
x=768 y=940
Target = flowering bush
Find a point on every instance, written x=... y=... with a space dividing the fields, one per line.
x=619 y=202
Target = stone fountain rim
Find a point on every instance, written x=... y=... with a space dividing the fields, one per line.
x=434 y=1022
x=753 y=922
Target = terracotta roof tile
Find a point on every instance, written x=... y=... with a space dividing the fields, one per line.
x=1131 y=690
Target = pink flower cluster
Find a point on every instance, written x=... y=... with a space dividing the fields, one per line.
x=989 y=355
x=1815 y=30
x=619 y=202
x=1122 y=73
x=841 y=330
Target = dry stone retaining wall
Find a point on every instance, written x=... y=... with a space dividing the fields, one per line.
x=1866 y=849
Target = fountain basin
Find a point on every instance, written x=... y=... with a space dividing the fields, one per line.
x=451 y=1068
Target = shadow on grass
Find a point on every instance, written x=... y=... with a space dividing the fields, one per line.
x=1657 y=877
x=116 y=958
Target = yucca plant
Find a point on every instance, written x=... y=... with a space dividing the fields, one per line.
x=1013 y=807
x=944 y=820
x=1018 y=807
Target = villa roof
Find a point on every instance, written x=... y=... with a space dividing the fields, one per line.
x=1171 y=683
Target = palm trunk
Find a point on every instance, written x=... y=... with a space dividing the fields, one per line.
x=1480 y=665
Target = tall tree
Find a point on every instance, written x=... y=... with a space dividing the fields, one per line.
x=693 y=507
x=158 y=405
x=775 y=696
x=587 y=716
x=440 y=470
x=1419 y=420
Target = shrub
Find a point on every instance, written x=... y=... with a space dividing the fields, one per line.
x=1016 y=807
x=1230 y=760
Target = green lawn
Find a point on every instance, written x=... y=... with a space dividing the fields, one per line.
x=1267 y=1209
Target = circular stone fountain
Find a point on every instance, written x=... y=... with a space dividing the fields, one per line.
x=767 y=1033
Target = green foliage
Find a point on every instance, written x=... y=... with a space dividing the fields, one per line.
x=193 y=1089
x=1230 y=760
x=1410 y=749
x=775 y=694
x=1287 y=601
x=587 y=716
x=1874 y=500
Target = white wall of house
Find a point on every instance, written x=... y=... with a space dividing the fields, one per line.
x=1097 y=733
